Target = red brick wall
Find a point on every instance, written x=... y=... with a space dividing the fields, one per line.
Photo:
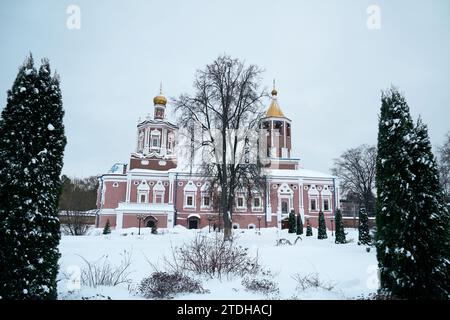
x=130 y=221
x=114 y=195
x=103 y=218
x=153 y=164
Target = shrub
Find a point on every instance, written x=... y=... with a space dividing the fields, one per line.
x=104 y=274
x=165 y=285
x=212 y=256
x=107 y=228
x=309 y=232
x=311 y=281
x=263 y=285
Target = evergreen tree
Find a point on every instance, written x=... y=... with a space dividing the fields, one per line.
x=322 y=229
x=292 y=222
x=299 y=224
x=309 y=232
x=107 y=227
x=427 y=228
x=32 y=143
x=412 y=224
x=340 y=233
x=363 y=228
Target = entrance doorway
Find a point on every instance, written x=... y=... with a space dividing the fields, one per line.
x=151 y=222
x=193 y=223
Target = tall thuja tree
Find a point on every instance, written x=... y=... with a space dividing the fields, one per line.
x=32 y=143
x=322 y=229
x=340 y=233
x=426 y=256
x=394 y=193
x=412 y=223
x=299 y=224
x=291 y=222
x=363 y=228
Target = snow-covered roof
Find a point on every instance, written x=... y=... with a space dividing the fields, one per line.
x=147 y=207
x=301 y=173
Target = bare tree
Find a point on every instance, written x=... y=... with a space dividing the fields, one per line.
x=75 y=223
x=223 y=113
x=444 y=166
x=356 y=171
x=77 y=198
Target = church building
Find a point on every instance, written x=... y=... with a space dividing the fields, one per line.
x=154 y=189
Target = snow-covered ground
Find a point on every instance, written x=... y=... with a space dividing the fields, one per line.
x=348 y=267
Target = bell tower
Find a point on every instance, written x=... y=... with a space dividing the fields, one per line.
x=155 y=140
x=279 y=136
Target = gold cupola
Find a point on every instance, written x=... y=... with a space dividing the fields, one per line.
x=274 y=109
x=160 y=99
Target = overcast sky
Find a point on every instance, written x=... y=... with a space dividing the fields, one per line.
x=329 y=66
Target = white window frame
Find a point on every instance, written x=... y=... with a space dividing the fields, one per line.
x=156 y=194
x=329 y=203
x=316 y=199
x=140 y=194
x=158 y=190
x=254 y=208
x=186 y=195
x=157 y=135
x=244 y=204
x=204 y=206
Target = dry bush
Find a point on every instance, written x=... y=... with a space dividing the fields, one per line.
x=262 y=285
x=311 y=281
x=213 y=257
x=165 y=285
x=378 y=296
x=102 y=273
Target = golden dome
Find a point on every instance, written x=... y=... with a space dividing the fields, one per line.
x=160 y=99
x=274 y=110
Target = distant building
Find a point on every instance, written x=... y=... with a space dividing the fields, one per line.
x=156 y=186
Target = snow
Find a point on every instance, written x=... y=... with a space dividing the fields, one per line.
x=22 y=89
x=50 y=127
x=349 y=267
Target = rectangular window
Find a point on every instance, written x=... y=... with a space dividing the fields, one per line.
x=142 y=198
x=158 y=198
x=257 y=202
x=206 y=201
x=313 y=205
x=240 y=202
x=155 y=142
x=189 y=201
x=326 y=205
